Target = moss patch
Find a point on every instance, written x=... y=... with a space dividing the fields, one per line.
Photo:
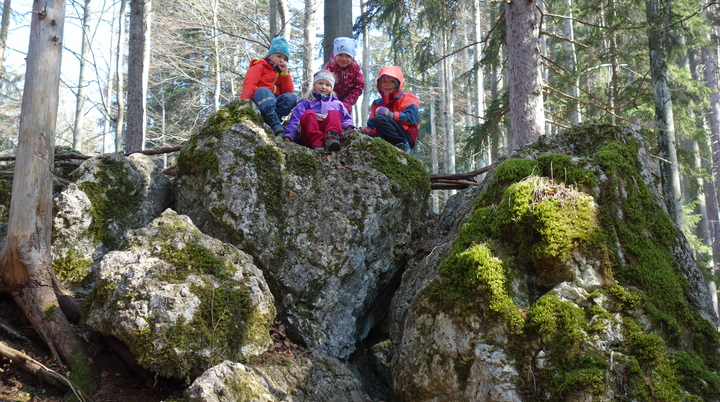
x=114 y=197
x=73 y=268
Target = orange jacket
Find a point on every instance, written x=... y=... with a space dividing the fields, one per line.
x=403 y=105
x=261 y=74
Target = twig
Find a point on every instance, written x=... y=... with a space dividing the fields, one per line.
x=33 y=366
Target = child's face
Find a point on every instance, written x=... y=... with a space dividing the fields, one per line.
x=279 y=59
x=343 y=60
x=323 y=87
x=387 y=84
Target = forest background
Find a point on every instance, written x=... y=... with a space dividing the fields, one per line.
x=597 y=61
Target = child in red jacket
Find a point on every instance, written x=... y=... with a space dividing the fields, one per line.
x=395 y=115
x=350 y=81
x=269 y=84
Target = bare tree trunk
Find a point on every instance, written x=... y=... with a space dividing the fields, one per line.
x=216 y=58
x=338 y=22
x=138 y=67
x=284 y=14
x=78 y=131
x=120 y=80
x=369 y=86
x=572 y=60
x=664 y=121
x=272 y=10
x=434 y=154
x=4 y=27
x=527 y=121
x=26 y=263
x=483 y=158
x=308 y=28
x=611 y=46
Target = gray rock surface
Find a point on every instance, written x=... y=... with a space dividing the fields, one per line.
x=326 y=229
x=182 y=301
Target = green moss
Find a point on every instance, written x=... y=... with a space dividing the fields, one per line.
x=195 y=159
x=558 y=323
x=407 y=174
x=114 y=199
x=302 y=164
x=477 y=274
x=73 y=268
x=268 y=161
x=695 y=376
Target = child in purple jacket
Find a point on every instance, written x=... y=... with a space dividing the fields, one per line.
x=320 y=116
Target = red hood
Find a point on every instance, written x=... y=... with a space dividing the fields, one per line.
x=394 y=72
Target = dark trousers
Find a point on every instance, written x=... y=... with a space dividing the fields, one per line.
x=391 y=131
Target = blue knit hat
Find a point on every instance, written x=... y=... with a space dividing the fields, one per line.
x=279 y=45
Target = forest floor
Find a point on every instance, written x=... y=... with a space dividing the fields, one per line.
x=117 y=382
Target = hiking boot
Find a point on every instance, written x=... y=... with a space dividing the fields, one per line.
x=332 y=141
x=278 y=129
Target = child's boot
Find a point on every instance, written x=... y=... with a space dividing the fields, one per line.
x=332 y=141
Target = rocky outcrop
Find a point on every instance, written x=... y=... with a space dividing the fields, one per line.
x=559 y=278
x=326 y=229
x=109 y=196
x=182 y=301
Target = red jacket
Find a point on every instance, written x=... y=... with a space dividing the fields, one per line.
x=404 y=105
x=261 y=74
x=350 y=82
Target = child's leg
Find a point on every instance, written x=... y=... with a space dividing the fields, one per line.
x=266 y=103
x=285 y=104
x=333 y=122
x=310 y=132
x=391 y=131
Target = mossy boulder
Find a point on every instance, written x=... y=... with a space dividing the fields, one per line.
x=180 y=300
x=327 y=229
x=560 y=278
x=109 y=195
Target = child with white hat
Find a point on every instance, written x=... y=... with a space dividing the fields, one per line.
x=350 y=81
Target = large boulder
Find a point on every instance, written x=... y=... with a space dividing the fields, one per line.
x=180 y=300
x=560 y=278
x=327 y=229
x=320 y=378
x=109 y=195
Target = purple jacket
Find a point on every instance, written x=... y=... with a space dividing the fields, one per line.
x=318 y=105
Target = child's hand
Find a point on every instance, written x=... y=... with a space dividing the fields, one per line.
x=286 y=139
x=382 y=110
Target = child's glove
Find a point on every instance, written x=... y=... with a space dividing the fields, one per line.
x=382 y=110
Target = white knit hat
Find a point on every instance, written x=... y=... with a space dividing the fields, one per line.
x=344 y=45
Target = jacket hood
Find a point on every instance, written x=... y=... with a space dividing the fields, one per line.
x=394 y=72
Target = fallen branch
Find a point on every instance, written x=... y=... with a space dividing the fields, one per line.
x=456 y=181
x=38 y=369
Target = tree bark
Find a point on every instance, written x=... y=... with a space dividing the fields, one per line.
x=664 y=120
x=120 y=78
x=522 y=21
x=4 y=27
x=338 y=22
x=78 y=129
x=25 y=260
x=138 y=67
x=308 y=29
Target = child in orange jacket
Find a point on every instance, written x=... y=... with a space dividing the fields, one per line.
x=269 y=84
x=395 y=115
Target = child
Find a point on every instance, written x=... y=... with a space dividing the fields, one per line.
x=320 y=114
x=269 y=84
x=395 y=116
x=350 y=81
